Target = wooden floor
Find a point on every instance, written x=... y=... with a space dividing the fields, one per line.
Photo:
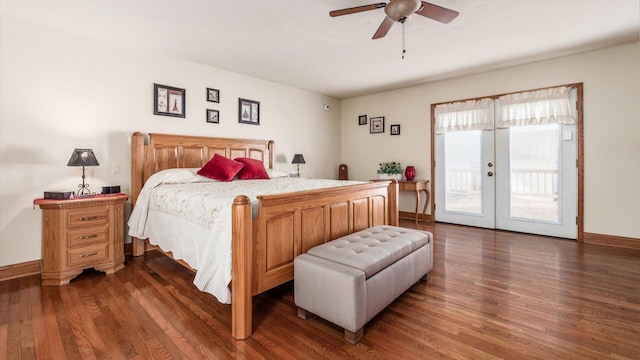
x=491 y=295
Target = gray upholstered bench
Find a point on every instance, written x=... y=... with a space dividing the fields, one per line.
x=349 y=280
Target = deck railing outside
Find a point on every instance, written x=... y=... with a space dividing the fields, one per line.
x=534 y=193
x=524 y=182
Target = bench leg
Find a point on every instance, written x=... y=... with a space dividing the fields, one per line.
x=353 y=337
x=303 y=314
x=426 y=276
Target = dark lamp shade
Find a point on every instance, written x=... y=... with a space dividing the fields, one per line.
x=83 y=157
x=298 y=159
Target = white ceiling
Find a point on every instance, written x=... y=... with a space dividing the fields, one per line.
x=296 y=43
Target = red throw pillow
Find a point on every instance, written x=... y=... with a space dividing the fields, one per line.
x=253 y=169
x=221 y=168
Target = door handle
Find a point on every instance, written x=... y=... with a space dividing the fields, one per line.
x=489 y=173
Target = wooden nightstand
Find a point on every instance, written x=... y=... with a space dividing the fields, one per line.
x=79 y=234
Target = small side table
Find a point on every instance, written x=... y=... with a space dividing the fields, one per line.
x=416 y=186
x=81 y=233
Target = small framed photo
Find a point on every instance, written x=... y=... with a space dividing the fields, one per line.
x=362 y=120
x=376 y=125
x=394 y=129
x=213 y=95
x=248 y=111
x=213 y=116
x=169 y=100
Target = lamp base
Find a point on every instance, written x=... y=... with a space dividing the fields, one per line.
x=83 y=189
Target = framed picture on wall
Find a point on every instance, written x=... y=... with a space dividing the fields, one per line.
x=213 y=116
x=362 y=120
x=169 y=100
x=248 y=111
x=394 y=129
x=376 y=125
x=213 y=95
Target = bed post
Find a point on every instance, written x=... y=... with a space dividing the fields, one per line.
x=137 y=182
x=393 y=203
x=272 y=152
x=241 y=268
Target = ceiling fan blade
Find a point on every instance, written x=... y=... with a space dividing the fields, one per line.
x=356 y=9
x=437 y=13
x=384 y=28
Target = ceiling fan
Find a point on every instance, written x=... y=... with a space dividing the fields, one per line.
x=400 y=10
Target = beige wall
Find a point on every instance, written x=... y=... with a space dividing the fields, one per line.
x=611 y=80
x=59 y=91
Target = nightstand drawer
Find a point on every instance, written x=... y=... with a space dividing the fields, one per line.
x=88 y=254
x=87 y=217
x=87 y=236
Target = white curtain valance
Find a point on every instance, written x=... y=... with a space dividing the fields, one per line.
x=541 y=107
x=463 y=116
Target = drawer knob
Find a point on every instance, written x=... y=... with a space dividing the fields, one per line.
x=87 y=255
x=88 y=236
x=88 y=218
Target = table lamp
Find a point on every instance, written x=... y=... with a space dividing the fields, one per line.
x=83 y=157
x=298 y=159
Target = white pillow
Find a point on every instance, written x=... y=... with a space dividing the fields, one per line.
x=273 y=173
x=177 y=176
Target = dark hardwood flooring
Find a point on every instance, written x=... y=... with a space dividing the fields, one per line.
x=492 y=295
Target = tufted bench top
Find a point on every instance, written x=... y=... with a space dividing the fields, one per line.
x=372 y=249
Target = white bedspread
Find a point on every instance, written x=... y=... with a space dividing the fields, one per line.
x=190 y=216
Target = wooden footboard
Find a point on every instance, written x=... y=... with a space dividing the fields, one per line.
x=287 y=225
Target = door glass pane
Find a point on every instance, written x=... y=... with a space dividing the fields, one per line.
x=463 y=179
x=534 y=164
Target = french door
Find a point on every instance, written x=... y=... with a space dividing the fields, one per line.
x=465 y=188
x=520 y=178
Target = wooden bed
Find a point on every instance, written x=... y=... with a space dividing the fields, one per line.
x=263 y=248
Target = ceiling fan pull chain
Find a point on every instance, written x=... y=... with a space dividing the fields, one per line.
x=403 y=47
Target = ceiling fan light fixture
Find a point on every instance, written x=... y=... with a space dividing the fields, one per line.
x=400 y=10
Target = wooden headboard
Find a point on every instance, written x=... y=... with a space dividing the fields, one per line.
x=155 y=152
